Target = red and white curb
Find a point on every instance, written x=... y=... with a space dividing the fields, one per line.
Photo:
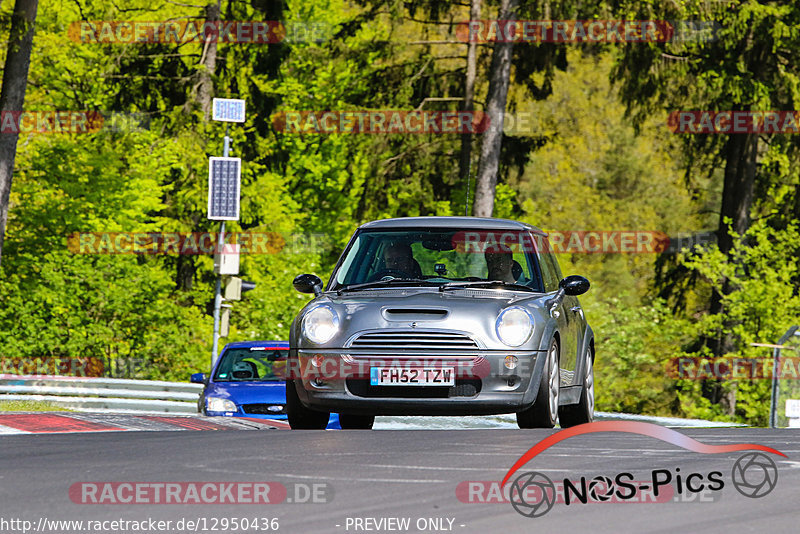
x=65 y=423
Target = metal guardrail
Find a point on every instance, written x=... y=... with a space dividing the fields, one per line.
x=103 y=394
x=152 y=396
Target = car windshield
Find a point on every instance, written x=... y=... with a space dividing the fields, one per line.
x=256 y=364
x=437 y=257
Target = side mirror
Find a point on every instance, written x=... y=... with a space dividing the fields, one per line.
x=198 y=378
x=574 y=285
x=308 y=283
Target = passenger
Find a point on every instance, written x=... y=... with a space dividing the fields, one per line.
x=500 y=261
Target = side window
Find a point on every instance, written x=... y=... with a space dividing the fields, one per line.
x=550 y=271
x=556 y=267
x=533 y=269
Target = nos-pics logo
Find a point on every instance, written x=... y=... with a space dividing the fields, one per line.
x=533 y=494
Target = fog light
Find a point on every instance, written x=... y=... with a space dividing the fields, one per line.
x=317 y=360
x=275 y=409
x=318 y=382
x=512 y=381
x=511 y=362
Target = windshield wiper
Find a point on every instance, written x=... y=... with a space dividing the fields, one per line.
x=485 y=283
x=380 y=283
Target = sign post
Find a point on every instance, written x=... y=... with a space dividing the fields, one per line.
x=224 y=181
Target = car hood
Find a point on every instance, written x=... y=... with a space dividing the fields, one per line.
x=248 y=392
x=470 y=311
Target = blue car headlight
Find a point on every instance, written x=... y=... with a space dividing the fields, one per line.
x=320 y=324
x=216 y=404
x=514 y=326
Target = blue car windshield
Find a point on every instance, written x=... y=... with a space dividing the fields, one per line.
x=440 y=256
x=255 y=364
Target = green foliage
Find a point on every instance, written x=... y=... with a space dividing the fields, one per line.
x=104 y=307
x=596 y=173
x=634 y=345
x=764 y=303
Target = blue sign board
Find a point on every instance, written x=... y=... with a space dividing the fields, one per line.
x=228 y=110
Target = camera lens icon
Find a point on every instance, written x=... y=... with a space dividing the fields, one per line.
x=754 y=475
x=532 y=494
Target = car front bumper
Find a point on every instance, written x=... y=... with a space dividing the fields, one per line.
x=338 y=381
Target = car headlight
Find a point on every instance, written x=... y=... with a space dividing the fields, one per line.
x=514 y=326
x=320 y=324
x=215 y=404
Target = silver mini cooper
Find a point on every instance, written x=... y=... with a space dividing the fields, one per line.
x=442 y=316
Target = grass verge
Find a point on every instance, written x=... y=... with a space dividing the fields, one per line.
x=31 y=406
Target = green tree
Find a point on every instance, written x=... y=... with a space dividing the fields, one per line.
x=746 y=65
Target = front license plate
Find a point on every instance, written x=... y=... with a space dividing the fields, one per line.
x=412 y=376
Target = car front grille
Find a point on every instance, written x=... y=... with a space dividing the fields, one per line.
x=412 y=339
x=262 y=409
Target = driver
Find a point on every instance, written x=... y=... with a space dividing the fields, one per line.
x=399 y=257
x=500 y=261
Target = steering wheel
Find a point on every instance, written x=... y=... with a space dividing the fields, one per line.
x=388 y=274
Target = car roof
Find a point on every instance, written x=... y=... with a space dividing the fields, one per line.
x=481 y=223
x=251 y=344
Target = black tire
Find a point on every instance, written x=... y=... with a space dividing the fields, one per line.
x=583 y=412
x=356 y=422
x=300 y=417
x=544 y=412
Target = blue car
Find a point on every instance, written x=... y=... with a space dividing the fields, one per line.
x=248 y=380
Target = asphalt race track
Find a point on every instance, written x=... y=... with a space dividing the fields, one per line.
x=373 y=481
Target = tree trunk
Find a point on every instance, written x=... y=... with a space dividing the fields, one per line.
x=737 y=192
x=204 y=89
x=737 y=199
x=469 y=97
x=12 y=95
x=492 y=141
x=203 y=96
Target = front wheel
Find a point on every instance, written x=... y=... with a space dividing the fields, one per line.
x=300 y=417
x=583 y=412
x=356 y=422
x=544 y=412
